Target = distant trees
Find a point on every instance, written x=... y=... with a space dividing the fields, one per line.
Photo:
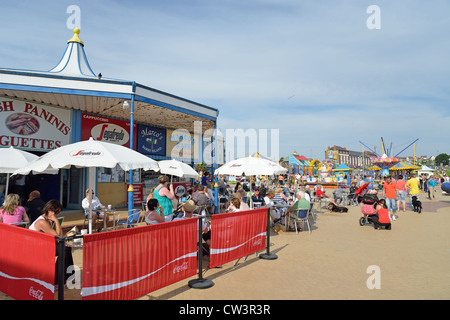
x=442 y=158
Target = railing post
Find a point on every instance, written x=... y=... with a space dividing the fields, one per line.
x=268 y=255
x=61 y=267
x=200 y=283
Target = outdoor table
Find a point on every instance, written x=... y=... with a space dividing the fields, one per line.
x=74 y=244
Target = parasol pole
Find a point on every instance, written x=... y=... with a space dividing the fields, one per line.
x=7 y=185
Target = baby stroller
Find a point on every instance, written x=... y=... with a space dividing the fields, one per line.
x=369 y=202
x=352 y=199
x=340 y=196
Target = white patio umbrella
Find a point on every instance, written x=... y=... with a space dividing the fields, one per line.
x=250 y=166
x=12 y=159
x=91 y=154
x=177 y=168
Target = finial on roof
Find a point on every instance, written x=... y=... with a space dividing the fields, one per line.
x=75 y=37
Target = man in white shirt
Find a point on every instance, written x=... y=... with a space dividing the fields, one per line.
x=95 y=205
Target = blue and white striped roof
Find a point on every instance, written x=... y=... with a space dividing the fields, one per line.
x=74 y=61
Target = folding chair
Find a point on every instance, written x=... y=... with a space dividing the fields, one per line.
x=133 y=219
x=300 y=216
x=21 y=224
x=60 y=220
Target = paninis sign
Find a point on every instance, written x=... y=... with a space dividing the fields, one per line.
x=106 y=129
x=33 y=126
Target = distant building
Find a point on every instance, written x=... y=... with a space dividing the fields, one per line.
x=340 y=155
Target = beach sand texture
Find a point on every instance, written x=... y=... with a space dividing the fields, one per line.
x=332 y=262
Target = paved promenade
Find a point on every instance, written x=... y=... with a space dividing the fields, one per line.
x=335 y=261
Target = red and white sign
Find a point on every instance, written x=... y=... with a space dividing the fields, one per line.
x=107 y=130
x=236 y=235
x=138 y=193
x=129 y=263
x=27 y=263
x=33 y=126
x=181 y=189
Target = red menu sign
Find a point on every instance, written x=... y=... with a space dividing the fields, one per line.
x=107 y=130
x=138 y=194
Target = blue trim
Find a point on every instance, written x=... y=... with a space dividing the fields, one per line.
x=176 y=97
x=174 y=108
x=86 y=60
x=76 y=125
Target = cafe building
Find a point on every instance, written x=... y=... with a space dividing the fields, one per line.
x=43 y=110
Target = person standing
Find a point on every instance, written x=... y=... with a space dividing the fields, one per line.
x=164 y=194
x=390 y=194
x=431 y=185
x=401 y=187
x=413 y=186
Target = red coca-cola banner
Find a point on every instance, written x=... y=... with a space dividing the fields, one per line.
x=27 y=263
x=129 y=263
x=236 y=235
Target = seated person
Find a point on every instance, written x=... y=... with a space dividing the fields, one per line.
x=257 y=198
x=240 y=194
x=152 y=216
x=11 y=212
x=189 y=209
x=201 y=198
x=235 y=205
x=300 y=204
x=95 y=205
x=320 y=194
x=34 y=205
x=381 y=217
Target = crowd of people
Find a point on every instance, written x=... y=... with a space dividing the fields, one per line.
x=395 y=192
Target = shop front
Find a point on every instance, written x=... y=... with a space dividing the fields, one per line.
x=70 y=103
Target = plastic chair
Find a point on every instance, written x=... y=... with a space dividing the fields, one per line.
x=60 y=220
x=133 y=219
x=21 y=224
x=301 y=216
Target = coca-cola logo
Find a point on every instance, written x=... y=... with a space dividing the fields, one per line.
x=180 y=268
x=37 y=294
x=257 y=242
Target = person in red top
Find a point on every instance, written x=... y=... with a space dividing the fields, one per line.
x=401 y=187
x=381 y=217
x=390 y=194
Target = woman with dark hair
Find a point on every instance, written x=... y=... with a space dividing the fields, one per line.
x=43 y=224
x=49 y=215
x=381 y=217
x=152 y=216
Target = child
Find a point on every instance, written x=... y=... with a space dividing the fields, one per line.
x=381 y=217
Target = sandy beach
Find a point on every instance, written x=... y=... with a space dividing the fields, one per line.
x=334 y=262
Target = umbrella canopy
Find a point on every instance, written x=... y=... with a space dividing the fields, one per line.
x=12 y=159
x=176 y=168
x=91 y=154
x=250 y=166
x=343 y=167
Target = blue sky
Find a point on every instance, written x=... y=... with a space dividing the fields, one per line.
x=311 y=69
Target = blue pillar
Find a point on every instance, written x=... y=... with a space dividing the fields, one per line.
x=130 y=188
